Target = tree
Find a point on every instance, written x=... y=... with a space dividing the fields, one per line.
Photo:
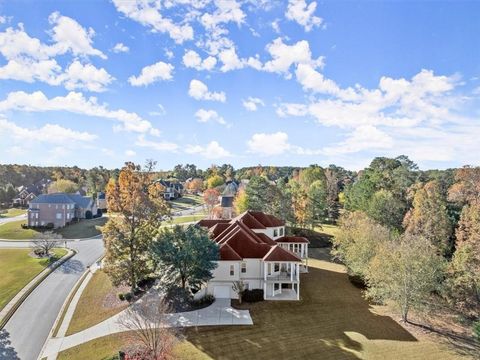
x=333 y=190
x=45 y=242
x=149 y=335
x=260 y=194
x=214 y=181
x=386 y=209
x=357 y=242
x=405 y=272
x=139 y=208
x=63 y=185
x=429 y=218
x=210 y=197
x=239 y=287
x=195 y=185
x=240 y=203
x=185 y=256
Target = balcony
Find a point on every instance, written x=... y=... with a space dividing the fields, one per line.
x=282 y=276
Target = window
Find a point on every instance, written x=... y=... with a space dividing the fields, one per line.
x=269 y=268
x=276 y=267
x=59 y=216
x=36 y=215
x=281 y=231
x=275 y=233
x=276 y=286
x=68 y=215
x=244 y=267
x=232 y=270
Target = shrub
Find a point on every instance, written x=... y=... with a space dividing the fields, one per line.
x=204 y=301
x=125 y=296
x=99 y=213
x=49 y=226
x=476 y=329
x=253 y=295
x=88 y=215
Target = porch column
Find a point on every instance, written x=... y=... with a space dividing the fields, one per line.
x=264 y=281
x=291 y=271
x=298 y=271
x=298 y=291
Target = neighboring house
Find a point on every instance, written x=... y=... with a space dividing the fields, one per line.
x=172 y=190
x=101 y=201
x=226 y=199
x=254 y=249
x=59 y=209
x=26 y=194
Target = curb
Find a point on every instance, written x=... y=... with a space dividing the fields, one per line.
x=54 y=266
x=61 y=240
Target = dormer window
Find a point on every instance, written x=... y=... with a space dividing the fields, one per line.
x=281 y=231
x=275 y=233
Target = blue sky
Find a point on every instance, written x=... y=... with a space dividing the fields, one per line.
x=243 y=82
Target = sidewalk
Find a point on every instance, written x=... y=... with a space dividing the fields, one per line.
x=219 y=313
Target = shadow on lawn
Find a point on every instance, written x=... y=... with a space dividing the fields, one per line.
x=315 y=327
x=7 y=352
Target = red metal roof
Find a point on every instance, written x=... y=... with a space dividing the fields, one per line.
x=267 y=220
x=279 y=254
x=228 y=254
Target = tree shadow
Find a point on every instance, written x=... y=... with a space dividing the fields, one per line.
x=72 y=266
x=7 y=352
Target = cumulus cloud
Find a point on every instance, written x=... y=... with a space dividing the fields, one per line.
x=212 y=150
x=130 y=153
x=252 y=103
x=86 y=77
x=191 y=59
x=152 y=73
x=76 y=103
x=120 y=48
x=199 y=91
x=268 y=144
x=148 y=14
x=49 y=133
x=156 y=145
x=303 y=14
x=205 y=116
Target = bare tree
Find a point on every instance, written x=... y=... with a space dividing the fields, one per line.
x=44 y=242
x=150 y=336
x=239 y=287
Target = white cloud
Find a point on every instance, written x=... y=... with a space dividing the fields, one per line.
x=191 y=59
x=147 y=13
x=76 y=103
x=130 y=153
x=364 y=137
x=156 y=145
x=251 y=104
x=303 y=14
x=315 y=81
x=120 y=48
x=284 y=56
x=291 y=109
x=212 y=150
x=49 y=133
x=152 y=73
x=269 y=144
x=160 y=112
x=227 y=11
x=30 y=70
x=275 y=26
x=199 y=91
x=205 y=116
x=87 y=77
x=69 y=35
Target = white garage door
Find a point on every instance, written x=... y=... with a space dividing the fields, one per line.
x=221 y=292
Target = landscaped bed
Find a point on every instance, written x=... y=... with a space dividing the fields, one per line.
x=332 y=321
x=18 y=268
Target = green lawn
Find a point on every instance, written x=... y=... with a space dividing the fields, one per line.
x=98 y=302
x=12 y=213
x=14 y=231
x=186 y=219
x=83 y=229
x=18 y=268
x=332 y=321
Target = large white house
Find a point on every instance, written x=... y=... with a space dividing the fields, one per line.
x=255 y=250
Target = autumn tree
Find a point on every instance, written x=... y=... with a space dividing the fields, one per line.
x=260 y=194
x=357 y=242
x=429 y=218
x=185 y=256
x=195 y=185
x=210 y=197
x=385 y=208
x=63 y=185
x=240 y=202
x=215 y=181
x=139 y=207
x=332 y=191
x=405 y=272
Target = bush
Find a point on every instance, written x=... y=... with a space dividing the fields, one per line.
x=99 y=213
x=125 y=296
x=204 y=301
x=253 y=295
x=476 y=329
x=88 y=215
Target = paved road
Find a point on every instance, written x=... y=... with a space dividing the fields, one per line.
x=26 y=332
x=10 y=219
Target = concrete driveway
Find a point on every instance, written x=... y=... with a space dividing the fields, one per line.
x=28 y=329
x=14 y=218
x=219 y=313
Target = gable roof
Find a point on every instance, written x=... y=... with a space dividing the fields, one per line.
x=228 y=254
x=267 y=220
x=57 y=198
x=279 y=254
x=249 y=221
x=208 y=223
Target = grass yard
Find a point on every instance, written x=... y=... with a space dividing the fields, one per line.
x=98 y=302
x=332 y=321
x=186 y=219
x=83 y=229
x=12 y=213
x=14 y=231
x=18 y=268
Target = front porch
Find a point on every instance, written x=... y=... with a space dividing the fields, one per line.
x=281 y=280
x=283 y=293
